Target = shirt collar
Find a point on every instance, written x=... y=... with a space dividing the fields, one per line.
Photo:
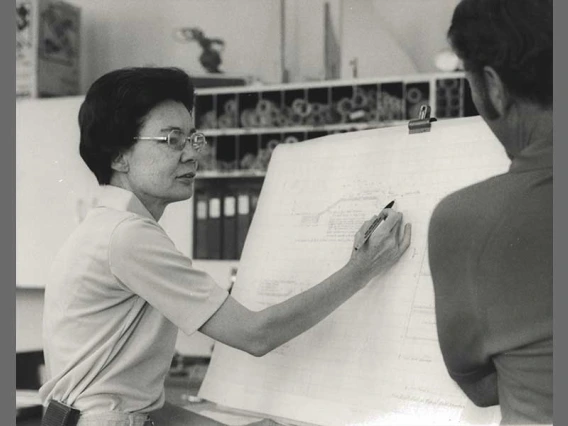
x=123 y=200
x=538 y=155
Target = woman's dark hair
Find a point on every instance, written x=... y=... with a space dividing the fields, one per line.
x=115 y=106
x=514 y=37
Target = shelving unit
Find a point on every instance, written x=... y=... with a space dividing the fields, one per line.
x=244 y=124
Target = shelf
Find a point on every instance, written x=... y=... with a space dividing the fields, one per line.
x=245 y=124
x=258 y=87
x=301 y=129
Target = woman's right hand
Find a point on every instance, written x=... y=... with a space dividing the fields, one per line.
x=384 y=247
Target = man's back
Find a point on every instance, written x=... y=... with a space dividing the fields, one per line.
x=491 y=260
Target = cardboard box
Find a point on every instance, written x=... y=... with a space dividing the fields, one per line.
x=47 y=48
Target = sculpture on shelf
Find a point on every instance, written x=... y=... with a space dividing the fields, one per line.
x=210 y=58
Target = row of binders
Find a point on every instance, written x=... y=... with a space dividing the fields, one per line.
x=221 y=221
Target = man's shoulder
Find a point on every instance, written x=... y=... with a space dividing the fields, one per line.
x=469 y=201
x=459 y=214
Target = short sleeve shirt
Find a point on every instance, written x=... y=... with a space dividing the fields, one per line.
x=116 y=296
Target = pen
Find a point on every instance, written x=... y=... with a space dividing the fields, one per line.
x=373 y=226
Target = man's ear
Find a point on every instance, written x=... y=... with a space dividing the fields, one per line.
x=496 y=91
x=120 y=163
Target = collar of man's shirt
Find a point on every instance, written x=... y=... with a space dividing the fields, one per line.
x=121 y=199
x=538 y=155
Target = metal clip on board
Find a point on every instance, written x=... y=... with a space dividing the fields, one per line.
x=423 y=122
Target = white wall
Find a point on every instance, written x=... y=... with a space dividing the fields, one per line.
x=388 y=37
x=124 y=33
x=52 y=183
x=304 y=37
x=29 y=315
x=394 y=37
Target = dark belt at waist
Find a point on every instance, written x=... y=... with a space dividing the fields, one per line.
x=59 y=414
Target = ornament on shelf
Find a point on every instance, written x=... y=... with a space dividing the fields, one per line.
x=210 y=58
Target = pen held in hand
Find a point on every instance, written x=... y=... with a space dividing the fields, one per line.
x=373 y=226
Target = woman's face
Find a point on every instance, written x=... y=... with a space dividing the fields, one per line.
x=157 y=173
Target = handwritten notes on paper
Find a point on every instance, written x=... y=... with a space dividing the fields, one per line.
x=375 y=360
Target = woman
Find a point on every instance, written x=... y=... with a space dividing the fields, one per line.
x=119 y=289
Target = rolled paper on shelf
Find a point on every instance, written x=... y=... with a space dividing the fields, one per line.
x=222 y=121
x=208 y=120
x=275 y=117
x=446 y=94
x=344 y=106
x=247 y=161
x=301 y=107
x=206 y=158
x=359 y=99
x=455 y=93
x=263 y=158
x=373 y=116
x=264 y=105
x=343 y=117
x=226 y=165
x=272 y=144
x=448 y=83
x=280 y=120
x=230 y=106
x=264 y=119
x=246 y=118
x=256 y=164
x=226 y=122
x=296 y=119
x=317 y=108
x=318 y=119
x=331 y=116
x=413 y=95
x=254 y=119
x=291 y=139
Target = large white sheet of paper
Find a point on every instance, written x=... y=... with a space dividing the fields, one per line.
x=376 y=360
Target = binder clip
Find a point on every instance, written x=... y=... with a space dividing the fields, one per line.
x=423 y=122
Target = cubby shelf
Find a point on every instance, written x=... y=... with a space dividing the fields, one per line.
x=244 y=124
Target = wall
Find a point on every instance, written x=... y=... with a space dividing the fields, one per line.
x=141 y=32
x=388 y=37
x=29 y=315
x=304 y=37
x=393 y=37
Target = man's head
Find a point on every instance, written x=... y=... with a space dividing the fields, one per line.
x=116 y=106
x=506 y=49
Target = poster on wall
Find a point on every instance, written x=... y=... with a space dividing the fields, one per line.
x=25 y=57
x=59 y=34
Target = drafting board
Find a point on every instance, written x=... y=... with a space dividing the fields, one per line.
x=376 y=360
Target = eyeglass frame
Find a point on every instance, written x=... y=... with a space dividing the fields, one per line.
x=191 y=138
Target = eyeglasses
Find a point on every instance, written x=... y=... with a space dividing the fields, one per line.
x=178 y=140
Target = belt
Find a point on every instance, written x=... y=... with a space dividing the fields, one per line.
x=59 y=414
